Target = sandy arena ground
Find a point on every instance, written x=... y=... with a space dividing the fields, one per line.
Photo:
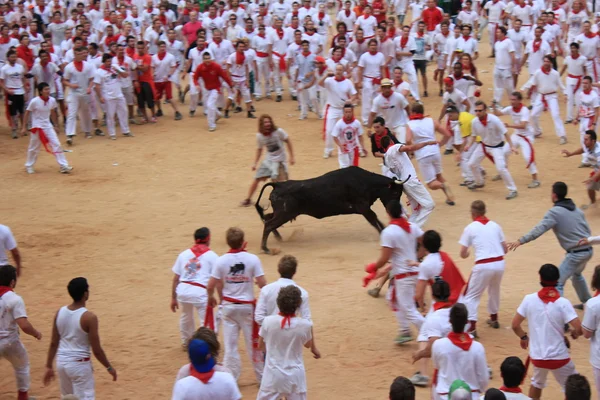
x=132 y=205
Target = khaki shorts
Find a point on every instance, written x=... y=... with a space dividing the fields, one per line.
x=277 y=171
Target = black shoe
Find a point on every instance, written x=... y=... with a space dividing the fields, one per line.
x=425 y=94
x=159 y=113
x=178 y=116
x=448 y=151
x=278 y=99
x=250 y=115
x=294 y=97
x=226 y=113
x=238 y=109
x=252 y=109
x=220 y=108
x=578 y=306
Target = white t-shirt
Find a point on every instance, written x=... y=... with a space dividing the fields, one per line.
x=371 y=64
x=588 y=102
x=495 y=10
x=503 y=48
x=456 y=97
x=519 y=40
x=7 y=243
x=267 y=301
x=523 y=115
x=13 y=77
x=347 y=134
x=591 y=322
x=430 y=267
x=468 y=17
x=237 y=271
x=399 y=163
x=128 y=65
x=393 y=109
x=162 y=68
x=12 y=308
x=486 y=240
x=493 y=133
x=575 y=66
x=284 y=366
x=523 y=13
x=109 y=83
x=453 y=363
x=469 y=46
x=403 y=245
x=546 y=326
x=222 y=386
x=195 y=269
x=575 y=22
x=423 y=130
x=238 y=71
x=409 y=46
x=437 y=324
x=40 y=112
x=274 y=143
x=80 y=78
x=368 y=25
x=45 y=74
x=338 y=92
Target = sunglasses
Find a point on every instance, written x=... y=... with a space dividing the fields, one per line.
x=479 y=110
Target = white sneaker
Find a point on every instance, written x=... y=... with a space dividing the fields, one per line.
x=562 y=140
x=212 y=129
x=66 y=169
x=419 y=380
x=30 y=170
x=303 y=117
x=326 y=154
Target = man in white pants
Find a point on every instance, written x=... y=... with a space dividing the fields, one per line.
x=406 y=47
x=393 y=107
x=489 y=247
x=305 y=79
x=126 y=63
x=399 y=242
x=400 y=166
x=548 y=313
x=234 y=275
x=43 y=113
x=575 y=66
x=211 y=74
x=338 y=91
x=371 y=69
x=523 y=137
x=108 y=88
x=74 y=337
x=12 y=317
x=589 y=44
x=348 y=136
x=78 y=77
x=505 y=65
x=192 y=270
x=493 y=135
x=546 y=82
x=280 y=40
x=238 y=68
x=589 y=110
x=495 y=10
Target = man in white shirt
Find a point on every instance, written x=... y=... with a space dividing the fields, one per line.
x=338 y=92
x=494 y=137
x=211 y=22
x=393 y=107
x=458 y=356
x=347 y=16
x=279 y=41
x=233 y=277
x=9 y=244
x=589 y=45
x=15 y=85
x=495 y=10
x=239 y=67
x=367 y=22
x=371 y=69
x=547 y=313
x=535 y=50
x=505 y=65
x=405 y=49
x=489 y=247
x=12 y=318
x=164 y=65
x=519 y=36
x=347 y=134
x=191 y=273
x=546 y=81
x=78 y=77
x=44 y=117
x=575 y=66
x=589 y=110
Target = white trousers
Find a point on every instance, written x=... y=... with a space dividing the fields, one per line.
x=210 y=105
x=499 y=157
x=488 y=277
x=238 y=317
x=538 y=108
x=465 y=156
x=116 y=107
x=525 y=145
x=503 y=82
x=332 y=116
x=592 y=69
x=573 y=96
x=540 y=375
x=35 y=145
x=292 y=83
x=187 y=327
x=400 y=133
x=263 y=77
x=492 y=32
x=76 y=377
x=262 y=395
x=14 y=352
x=241 y=87
x=195 y=93
x=94 y=103
x=411 y=77
x=368 y=94
x=307 y=97
x=406 y=309
x=419 y=200
x=78 y=105
x=277 y=75
x=597 y=380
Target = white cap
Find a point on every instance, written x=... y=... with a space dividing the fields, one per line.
x=461 y=394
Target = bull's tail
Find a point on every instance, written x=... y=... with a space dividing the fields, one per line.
x=259 y=209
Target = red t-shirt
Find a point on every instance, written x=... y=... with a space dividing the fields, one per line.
x=432 y=17
x=189 y=31
x=146 y=59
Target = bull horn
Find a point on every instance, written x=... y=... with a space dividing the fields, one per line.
x=402 y=182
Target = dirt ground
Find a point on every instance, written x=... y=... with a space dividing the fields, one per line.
x=132 y=205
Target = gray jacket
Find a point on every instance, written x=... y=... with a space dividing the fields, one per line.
x=566 y=220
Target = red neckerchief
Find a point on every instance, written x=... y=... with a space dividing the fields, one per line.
x=240 y=57
x=510 y=390
x=295 y=13
x=518 y=109
x=416 y=116
x=52 y=48
x=590 y=35
x=4 y=289
x=361 y=41
x=336 y=59
x=403 y=41
x=575 y=58
x=537 y=43
x=349 y=121
x=388 y=96
x=484 y=121
x=4 y=40
x=240 y=250
x=172 y=42
x=286 y=319
x=399 y=82
x=203 y=376
x=546 y=71
x=523 y=5
x=107 y=69
x=597 y=293
x=199 y=248
x=130 y=51
x=218 y=43
x=309 y=33
x=465 y=38
x=445 y=34
x=347 y=13
x=438 y=305
x=162 y=56
x=587 y=91
x=373 y=52
x=402 y=223
x=279 y=33
x=149 y=11
x=482 y=219
x=391 y=32
x=41 y=8
x=322 y=69
x=249 y=30
x=78 y=65
x=462 y=340
x=549 y=294
x=306 y=54
x=458 y=76
x=267 y=132
x=340 y=79
x=120 y=60
x=262 y=35
x=420 y=34
x=321 y=15
x=44 y=63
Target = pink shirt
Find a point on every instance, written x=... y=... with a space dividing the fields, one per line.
x=189 y=31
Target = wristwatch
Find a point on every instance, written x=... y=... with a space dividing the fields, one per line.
x=525 y=337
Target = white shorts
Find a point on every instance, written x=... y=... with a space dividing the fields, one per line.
x=242 y=88
x=76 y=377
x=128 y=93
x=540 y=375
x=400 y=133
x=430 y=166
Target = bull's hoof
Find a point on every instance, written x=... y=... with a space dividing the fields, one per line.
x=277 y=236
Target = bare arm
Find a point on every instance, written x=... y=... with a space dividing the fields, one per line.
x=17 y=257
x=290 y=150
x=27 y=328
x=49 y=374
x=174 y=305
x=261 y=281
x=464 y=252
x=420 y=291
x=90 y=321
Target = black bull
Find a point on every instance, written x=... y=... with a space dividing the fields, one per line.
x=350 y=190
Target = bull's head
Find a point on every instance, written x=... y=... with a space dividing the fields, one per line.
x=394 y=192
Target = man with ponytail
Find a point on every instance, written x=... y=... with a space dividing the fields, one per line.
x=548 y=313
x=192 y=270
x=283 y=336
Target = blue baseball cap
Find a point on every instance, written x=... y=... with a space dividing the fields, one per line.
x=200 y=356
